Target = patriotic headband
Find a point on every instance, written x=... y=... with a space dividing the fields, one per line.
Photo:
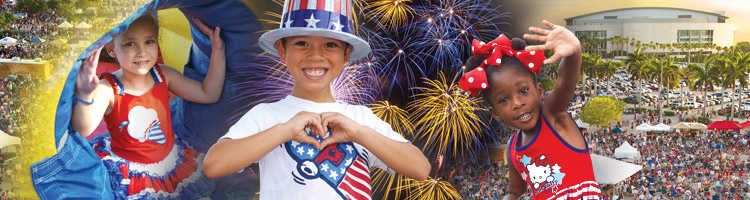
x=475 y=81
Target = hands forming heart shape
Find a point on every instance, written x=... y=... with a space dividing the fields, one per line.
x=331 y=126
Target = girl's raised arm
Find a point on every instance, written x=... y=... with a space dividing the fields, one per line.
x=92 y=98
x=208 y=91
x=566 y=47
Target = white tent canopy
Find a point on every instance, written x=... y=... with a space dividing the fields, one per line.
x=697 y=126
x=611 y=171
x=65 y=25
x=8 y=40
x=693 y=126
x=643 y=127
x=581 y=124
x=647 y=127
x=83 y=25
x=627 y=151
x=661 y=127
x=6 y=140
x=682 y=125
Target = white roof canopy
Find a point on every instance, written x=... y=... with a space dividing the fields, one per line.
x=611 y=171
x=627 y=151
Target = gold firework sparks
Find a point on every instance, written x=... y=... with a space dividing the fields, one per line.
x=432 y=189
x=390 y=14
x=446 y=118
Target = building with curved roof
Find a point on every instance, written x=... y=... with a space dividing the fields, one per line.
x=655 y=24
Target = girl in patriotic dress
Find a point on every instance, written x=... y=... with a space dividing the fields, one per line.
x=144 y=157
x=549 y=153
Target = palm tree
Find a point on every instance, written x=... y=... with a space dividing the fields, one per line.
x=608 y=69
x=637 y=67
x=743 y=67
x=664 y=69
x=732 y=72
x=703 y=78
x=588 y=66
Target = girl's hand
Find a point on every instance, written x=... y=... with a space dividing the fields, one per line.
x=560 y=40
x=87 y=80
x=342 y=128
x=217 y=44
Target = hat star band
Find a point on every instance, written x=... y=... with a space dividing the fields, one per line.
x=316 y=19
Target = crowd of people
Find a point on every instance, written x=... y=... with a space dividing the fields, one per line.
x=15 y=90
x=687 y=164
x=480 y=181
x=26 y=28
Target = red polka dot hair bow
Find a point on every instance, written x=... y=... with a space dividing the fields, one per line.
x=475 y=81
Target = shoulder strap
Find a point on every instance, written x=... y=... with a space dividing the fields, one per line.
x=118 y=89
x=157 y=74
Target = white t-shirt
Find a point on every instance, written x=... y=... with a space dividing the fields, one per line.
x=297 y=170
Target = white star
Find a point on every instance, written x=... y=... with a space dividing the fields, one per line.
x=349 y=148
x=324 y=167
x=343 y=171
x=333 y=174
x=301 y=150
x=288 y=23
x=337 y=26
x=348 y=162
x=294 y=143
x=312 y=22
x=310 y=152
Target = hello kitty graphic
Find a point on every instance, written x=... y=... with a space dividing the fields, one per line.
x=540 y=173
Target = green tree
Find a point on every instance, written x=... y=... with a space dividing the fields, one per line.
x=733 y=70
x=6 y=19
x=665 y=70
x=63 y=8
x=602 y=110
x=743 y=46
x=638 y=67
x=83 y=4
x=31 y=6
x=590 y=61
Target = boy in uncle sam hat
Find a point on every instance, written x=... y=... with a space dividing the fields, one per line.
x=309 y=146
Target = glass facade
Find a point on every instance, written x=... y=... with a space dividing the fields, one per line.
x=695 y=36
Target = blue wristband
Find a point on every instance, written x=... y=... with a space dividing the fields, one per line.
x=76 y=100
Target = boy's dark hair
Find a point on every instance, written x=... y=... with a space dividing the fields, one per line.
x=508 y=62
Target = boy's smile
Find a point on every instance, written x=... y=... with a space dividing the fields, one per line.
x=314 y=62
x=314 y=73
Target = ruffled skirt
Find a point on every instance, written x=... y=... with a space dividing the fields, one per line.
x=178 y=176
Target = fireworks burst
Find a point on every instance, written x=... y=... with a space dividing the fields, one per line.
x=397 y=62
x=390 y=14
x=398 y=118
x=355 y=85
x=392 y=186
x=446 y=118
x=432 y=189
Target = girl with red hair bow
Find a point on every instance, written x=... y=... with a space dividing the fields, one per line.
x=549 y=153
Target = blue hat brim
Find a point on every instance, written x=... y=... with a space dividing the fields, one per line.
x=360 y=48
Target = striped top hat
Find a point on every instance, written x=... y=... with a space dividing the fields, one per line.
x=324 y=18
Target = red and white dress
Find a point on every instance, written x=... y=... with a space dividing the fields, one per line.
x=144 y=158
x=553 y=168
